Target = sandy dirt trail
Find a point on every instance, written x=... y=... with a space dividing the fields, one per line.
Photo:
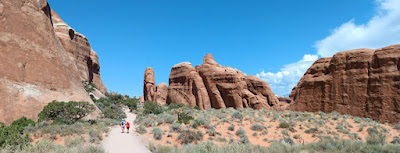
x=118 y=142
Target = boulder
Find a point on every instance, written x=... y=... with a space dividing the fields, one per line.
x=35 y=67
x=362 y=82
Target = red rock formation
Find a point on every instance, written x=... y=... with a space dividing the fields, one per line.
x=149 y=87
x=360 y=82
x=161 y=93
x=187 y=87
x=214 y=86
x=228 y=87
x=35 y=67
x=78 y=47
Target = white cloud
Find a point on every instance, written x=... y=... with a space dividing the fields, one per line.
x=283 y=81
x=380 y=31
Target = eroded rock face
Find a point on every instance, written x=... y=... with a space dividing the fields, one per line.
x=35 y=67
x=187 y=87
x=161 y=93
x=362 y=82
x=149 y=87
x=78 y=48
x=211 y=85
x=229 y=87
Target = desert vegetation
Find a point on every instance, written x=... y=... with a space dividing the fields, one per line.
x=179 y=128
x=62 y=126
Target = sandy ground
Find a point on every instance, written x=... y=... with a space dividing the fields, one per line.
x=118 y=142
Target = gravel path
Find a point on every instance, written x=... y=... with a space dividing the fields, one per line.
x=118 y=142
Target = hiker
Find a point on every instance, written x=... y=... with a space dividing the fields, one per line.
x=123 y=126
x=127 y=126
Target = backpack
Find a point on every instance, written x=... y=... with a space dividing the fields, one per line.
x=122 y=123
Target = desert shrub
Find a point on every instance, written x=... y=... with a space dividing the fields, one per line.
x=175 y=127
x=372 y=130
x=74 y=142
x=396 y=140
x=141 y=129
x=197 y=107
x=200 y=121
x=284 y=125
x=296 y=136
x=47 y=146
x=95 y=136
x=354 y=136
x=244 y=140
x=397 y=127
x=231 y=127
x=285 y=132
x=376 y=139
x=221 y=139
x=311 y=130
x=172 y=106
x=151 y=107
x=157 y=133
x=89 y=86
x=237 y=115
x=184 y=118
x=131 y=103
x=148 y=122
x=240 y=132
x=189 y=136
x=65 y=112
x=288 y=141
x=257 y=127
x=211 y=132
x=166 y=118
x=14 y=135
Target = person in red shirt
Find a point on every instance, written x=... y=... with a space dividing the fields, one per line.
x=127 y=126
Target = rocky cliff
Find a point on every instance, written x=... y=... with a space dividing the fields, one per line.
x=211 y=85
x=42 y=59
x=362 y=82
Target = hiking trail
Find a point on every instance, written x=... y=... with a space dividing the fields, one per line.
x=118 y=142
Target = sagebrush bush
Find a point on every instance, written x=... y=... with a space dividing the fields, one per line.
x=175 y=127
x=283 y=125
x=257 y=127
x=95 y=136
x=240 y=132
x=141 y=129
x=166 y=118
x=172 y=106
x=311 y=131
x=157 y=133
x=237 y=115
x=189 y=136
x=231 y=127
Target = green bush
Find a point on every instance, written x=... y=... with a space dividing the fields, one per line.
x=175 y=127
x=197 y=107
x=184 y=118
x=188 y=137
x=157 y=133
x=172 y=106
x=284 y=125
x=231 y=127
x=14 y=134
x=257 y=127
x=65 y=112
x=240 y=132
x=131 y=103
x=141 y=129
x=311 y=130
x=237 y=115
x=151 y=107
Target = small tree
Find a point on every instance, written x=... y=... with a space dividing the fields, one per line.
x=65 y=112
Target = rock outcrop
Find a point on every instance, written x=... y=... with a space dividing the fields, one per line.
x=362 y=82
x=211 y=85
x=152 y=92
x=78 y=47
x=35 y=66
x=187 y=87
x=229 y=87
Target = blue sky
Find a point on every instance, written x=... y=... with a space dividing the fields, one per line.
x=274 y=40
